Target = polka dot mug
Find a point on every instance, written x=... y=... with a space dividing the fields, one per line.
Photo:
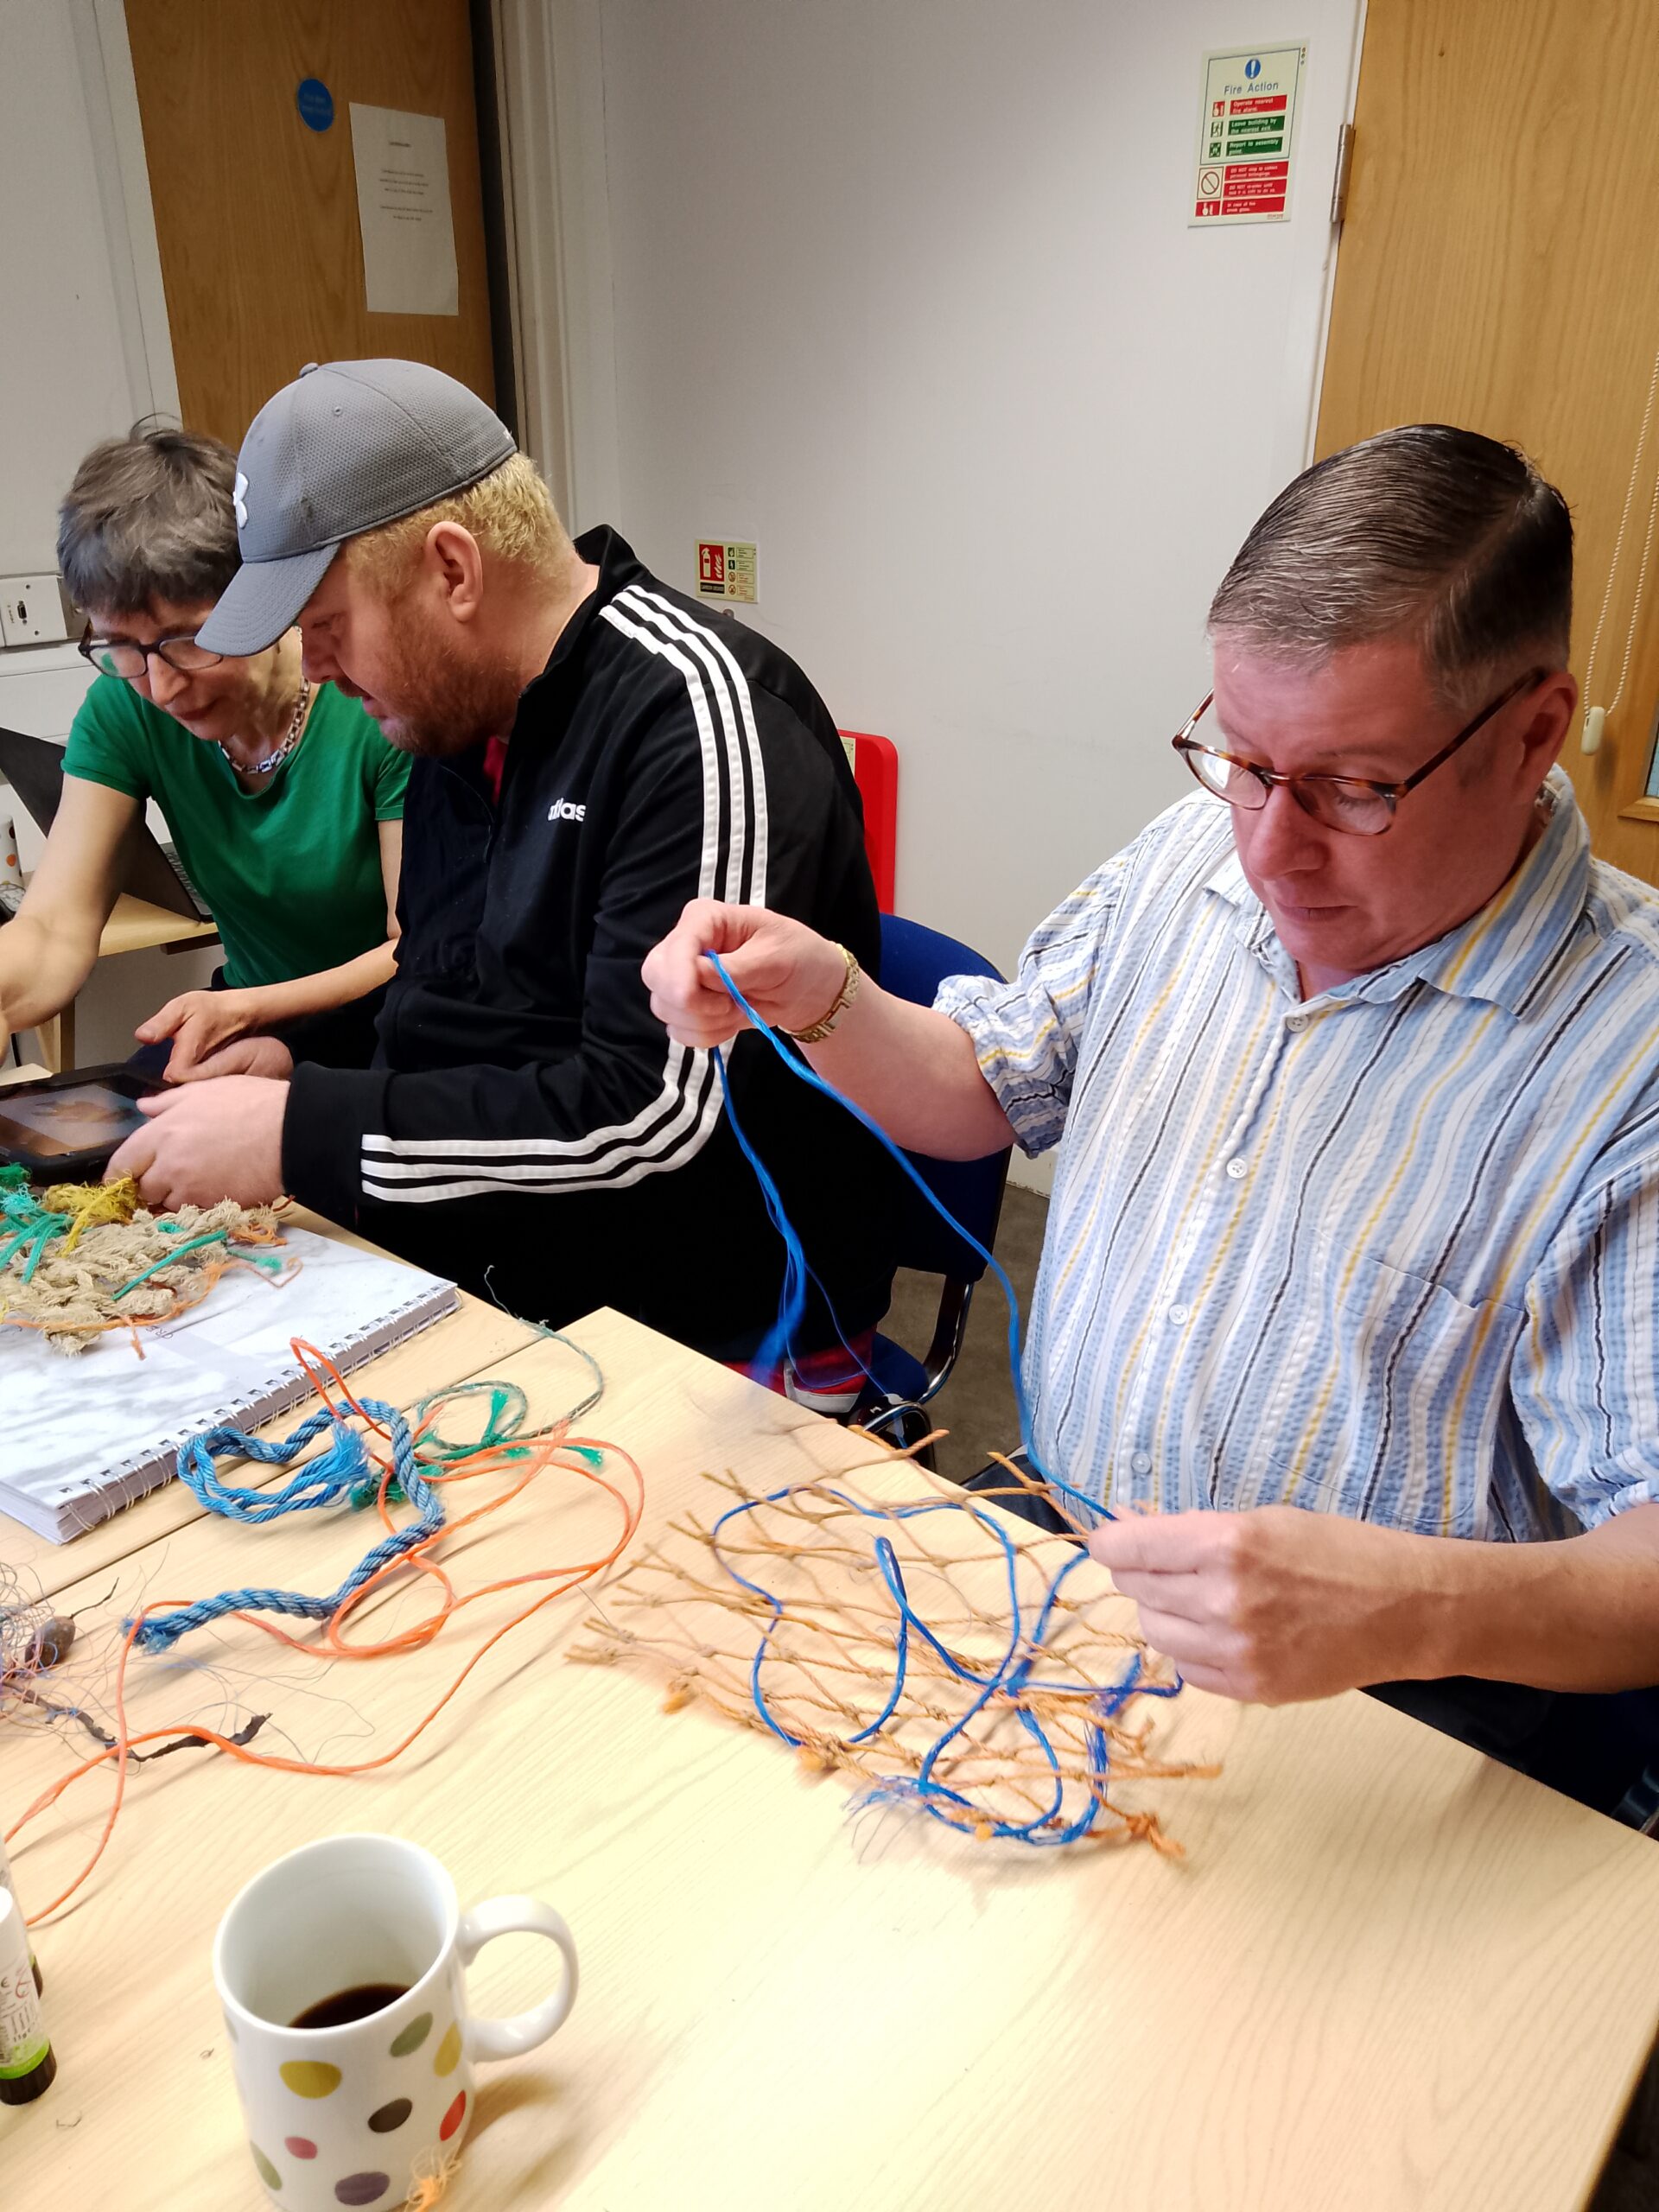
x=364 y=1931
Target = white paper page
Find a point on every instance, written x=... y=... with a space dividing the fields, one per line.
x=68 y=1426
x=403 y=208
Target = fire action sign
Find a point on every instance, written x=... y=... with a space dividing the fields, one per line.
x=1247 y=119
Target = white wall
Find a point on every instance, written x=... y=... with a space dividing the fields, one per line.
x=63 y=375
x=63 y=369
x=83 y=353
x=906 y=294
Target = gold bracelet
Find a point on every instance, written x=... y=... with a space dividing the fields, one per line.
x=845 y=998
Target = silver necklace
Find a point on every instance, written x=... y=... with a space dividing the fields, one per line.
x=275 y=759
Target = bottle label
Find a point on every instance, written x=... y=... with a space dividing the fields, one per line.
x=9 y=1885
x=22 y=2036
x=16 y=2059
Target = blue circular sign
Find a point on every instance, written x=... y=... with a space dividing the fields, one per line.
x=316 y=103
x=1252 y=67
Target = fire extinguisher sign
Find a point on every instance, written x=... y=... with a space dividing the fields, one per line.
x=725 y=570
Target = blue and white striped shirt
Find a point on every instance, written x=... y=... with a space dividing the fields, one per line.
x=1392 y=1251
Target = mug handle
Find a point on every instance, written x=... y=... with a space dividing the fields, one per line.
x=486 y=2039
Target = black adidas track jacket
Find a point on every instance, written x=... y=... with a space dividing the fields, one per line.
x=527 y=1126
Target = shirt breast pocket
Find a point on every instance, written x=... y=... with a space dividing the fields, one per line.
x=1389 y=1398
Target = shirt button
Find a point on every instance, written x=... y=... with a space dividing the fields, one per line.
x=1296 y=1022
x=1141 y=1462
x=1179 y=1314
x=1235 y=1168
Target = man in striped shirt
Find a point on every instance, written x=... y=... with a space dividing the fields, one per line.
x=1354 y=1083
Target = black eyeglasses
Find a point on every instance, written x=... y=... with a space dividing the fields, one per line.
x=123 y=656
x=1353 y=804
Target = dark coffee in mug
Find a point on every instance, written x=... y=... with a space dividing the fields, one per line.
x=341 y=1970
x=355 y=2004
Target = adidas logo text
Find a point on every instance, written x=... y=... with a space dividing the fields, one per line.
x=562 y=810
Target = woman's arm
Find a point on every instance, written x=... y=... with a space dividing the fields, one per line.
x=47 y=949
x=200 y=1021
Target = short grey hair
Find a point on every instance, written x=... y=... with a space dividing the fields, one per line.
x=1426 y=531
x=150 y=518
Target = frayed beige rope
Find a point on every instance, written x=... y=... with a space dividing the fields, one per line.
x=71 y=1299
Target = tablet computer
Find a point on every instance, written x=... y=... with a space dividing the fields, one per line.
x=63 y=1128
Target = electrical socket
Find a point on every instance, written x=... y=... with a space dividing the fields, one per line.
x=31 y=611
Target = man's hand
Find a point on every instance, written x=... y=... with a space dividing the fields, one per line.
x=199 y=1022
x=1277 y=1605
x=208 y=1142
x=789 y=974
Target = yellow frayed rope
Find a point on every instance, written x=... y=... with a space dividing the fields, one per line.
x=91 y=1204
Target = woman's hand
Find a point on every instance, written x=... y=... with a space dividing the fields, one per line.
x=266 y=1056
x=199 y=1022
x=789 y=975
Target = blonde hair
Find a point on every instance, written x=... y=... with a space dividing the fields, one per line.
x=510 y=513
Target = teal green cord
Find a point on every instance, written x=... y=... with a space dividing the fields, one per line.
x=190 y=1244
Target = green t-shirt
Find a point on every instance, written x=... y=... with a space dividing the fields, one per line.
x=291 y=873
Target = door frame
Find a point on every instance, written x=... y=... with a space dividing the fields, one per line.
x=110 y=93
x=1350 y=105
x=550 y=74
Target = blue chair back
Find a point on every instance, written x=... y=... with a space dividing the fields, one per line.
x=915 y=961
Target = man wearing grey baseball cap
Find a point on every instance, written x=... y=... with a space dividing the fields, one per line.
x=592 y=750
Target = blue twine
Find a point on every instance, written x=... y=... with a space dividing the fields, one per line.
x=342 y=1469
x=792 y=1244
x=344 y=1473
x=1011 y=1680
x=1012 y=1677
x=778 y=1344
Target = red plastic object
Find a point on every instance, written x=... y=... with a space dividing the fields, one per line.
x=876 y=771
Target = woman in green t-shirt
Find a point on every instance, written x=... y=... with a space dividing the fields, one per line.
x=284 y=801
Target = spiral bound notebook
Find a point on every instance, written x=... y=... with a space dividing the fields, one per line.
x=82 y=1437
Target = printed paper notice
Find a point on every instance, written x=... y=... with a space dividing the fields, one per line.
x=1247 y=119
x=402 y=207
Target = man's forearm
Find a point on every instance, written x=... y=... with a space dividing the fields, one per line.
x=1581 y=1614
x=915 y=1072
x=912 y=1071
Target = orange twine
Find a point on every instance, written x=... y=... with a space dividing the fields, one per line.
x=544 y=1455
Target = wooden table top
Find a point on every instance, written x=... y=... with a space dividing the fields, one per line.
x=1389 y=1974
x=136 y=926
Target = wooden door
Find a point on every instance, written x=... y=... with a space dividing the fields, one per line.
x=256 y=213
x=1497 y=270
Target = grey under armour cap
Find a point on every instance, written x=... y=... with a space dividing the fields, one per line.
x=348 y=446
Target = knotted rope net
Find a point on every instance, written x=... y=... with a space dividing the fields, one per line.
x=939 y=1655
